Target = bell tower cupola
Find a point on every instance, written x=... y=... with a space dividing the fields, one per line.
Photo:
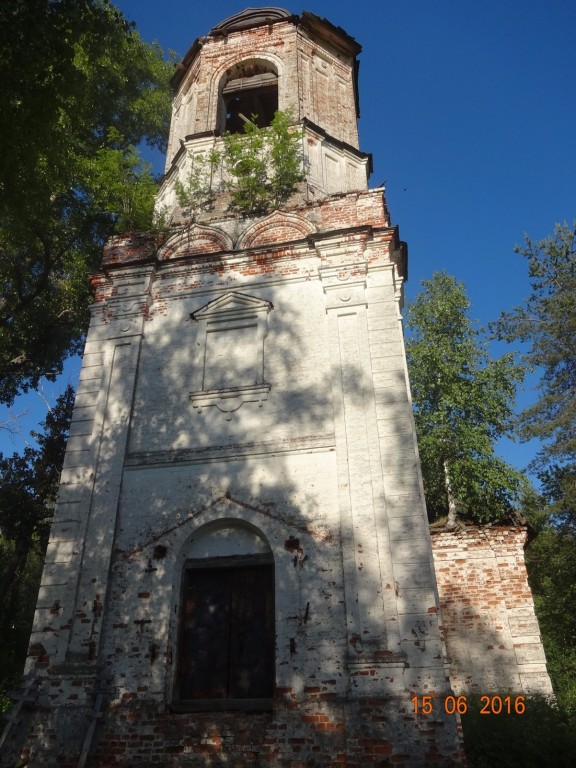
x=255 y=63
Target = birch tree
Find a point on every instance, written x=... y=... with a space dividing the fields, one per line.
x=463 y=402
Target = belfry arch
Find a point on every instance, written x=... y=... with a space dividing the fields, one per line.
x=249 y=92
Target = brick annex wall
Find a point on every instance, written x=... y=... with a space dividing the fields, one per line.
x=490 y=626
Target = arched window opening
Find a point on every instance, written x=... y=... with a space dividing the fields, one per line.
x=226 y=623
x=250 y=93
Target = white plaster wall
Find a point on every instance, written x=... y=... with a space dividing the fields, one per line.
x=296 y=365
x=285 y=499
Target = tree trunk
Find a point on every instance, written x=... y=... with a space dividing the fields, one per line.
x=452 y=509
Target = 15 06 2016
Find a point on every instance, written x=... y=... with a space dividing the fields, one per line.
x=493 y=704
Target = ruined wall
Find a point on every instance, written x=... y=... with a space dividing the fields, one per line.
x=490 y=626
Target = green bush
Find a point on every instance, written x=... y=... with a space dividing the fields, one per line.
x=544 y=736
x=264 y=164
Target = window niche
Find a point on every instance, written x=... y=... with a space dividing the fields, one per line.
x=226 y=631
x=230 y=353
x=250 y=89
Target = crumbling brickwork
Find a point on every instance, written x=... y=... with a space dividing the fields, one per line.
x=490 y=626
x=313 y=64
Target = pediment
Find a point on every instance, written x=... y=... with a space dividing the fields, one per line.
x=231 y=305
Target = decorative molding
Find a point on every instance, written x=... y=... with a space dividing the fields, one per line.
x=230 y=352
x=194 y=240
x=230 y=400
x=322 y=443
x=233 y=305
x=278 y=227
x=344 y=285
x=250 y=18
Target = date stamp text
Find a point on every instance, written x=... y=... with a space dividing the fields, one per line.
x=489 y=705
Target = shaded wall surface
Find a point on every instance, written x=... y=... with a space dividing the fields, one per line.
x=244 y=394
x=490 y=626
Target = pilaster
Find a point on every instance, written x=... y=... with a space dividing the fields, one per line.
x=74 y=585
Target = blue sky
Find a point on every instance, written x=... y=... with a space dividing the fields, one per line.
x=469 y=110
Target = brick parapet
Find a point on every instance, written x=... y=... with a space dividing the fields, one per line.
x=229 y=234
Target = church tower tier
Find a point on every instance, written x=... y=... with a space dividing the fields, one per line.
x=250 y=66
x=240 y=568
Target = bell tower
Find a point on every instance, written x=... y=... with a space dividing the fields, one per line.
x=307 y=68
x=240 y=569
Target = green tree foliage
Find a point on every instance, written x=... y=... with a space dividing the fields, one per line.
x=196 y=194
x=551 y=563
x=80 y=92
x=262 y=168
x=463 y=402
x=546 y=323
x=28 y=487
x=264 y=164
x=544 y=736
